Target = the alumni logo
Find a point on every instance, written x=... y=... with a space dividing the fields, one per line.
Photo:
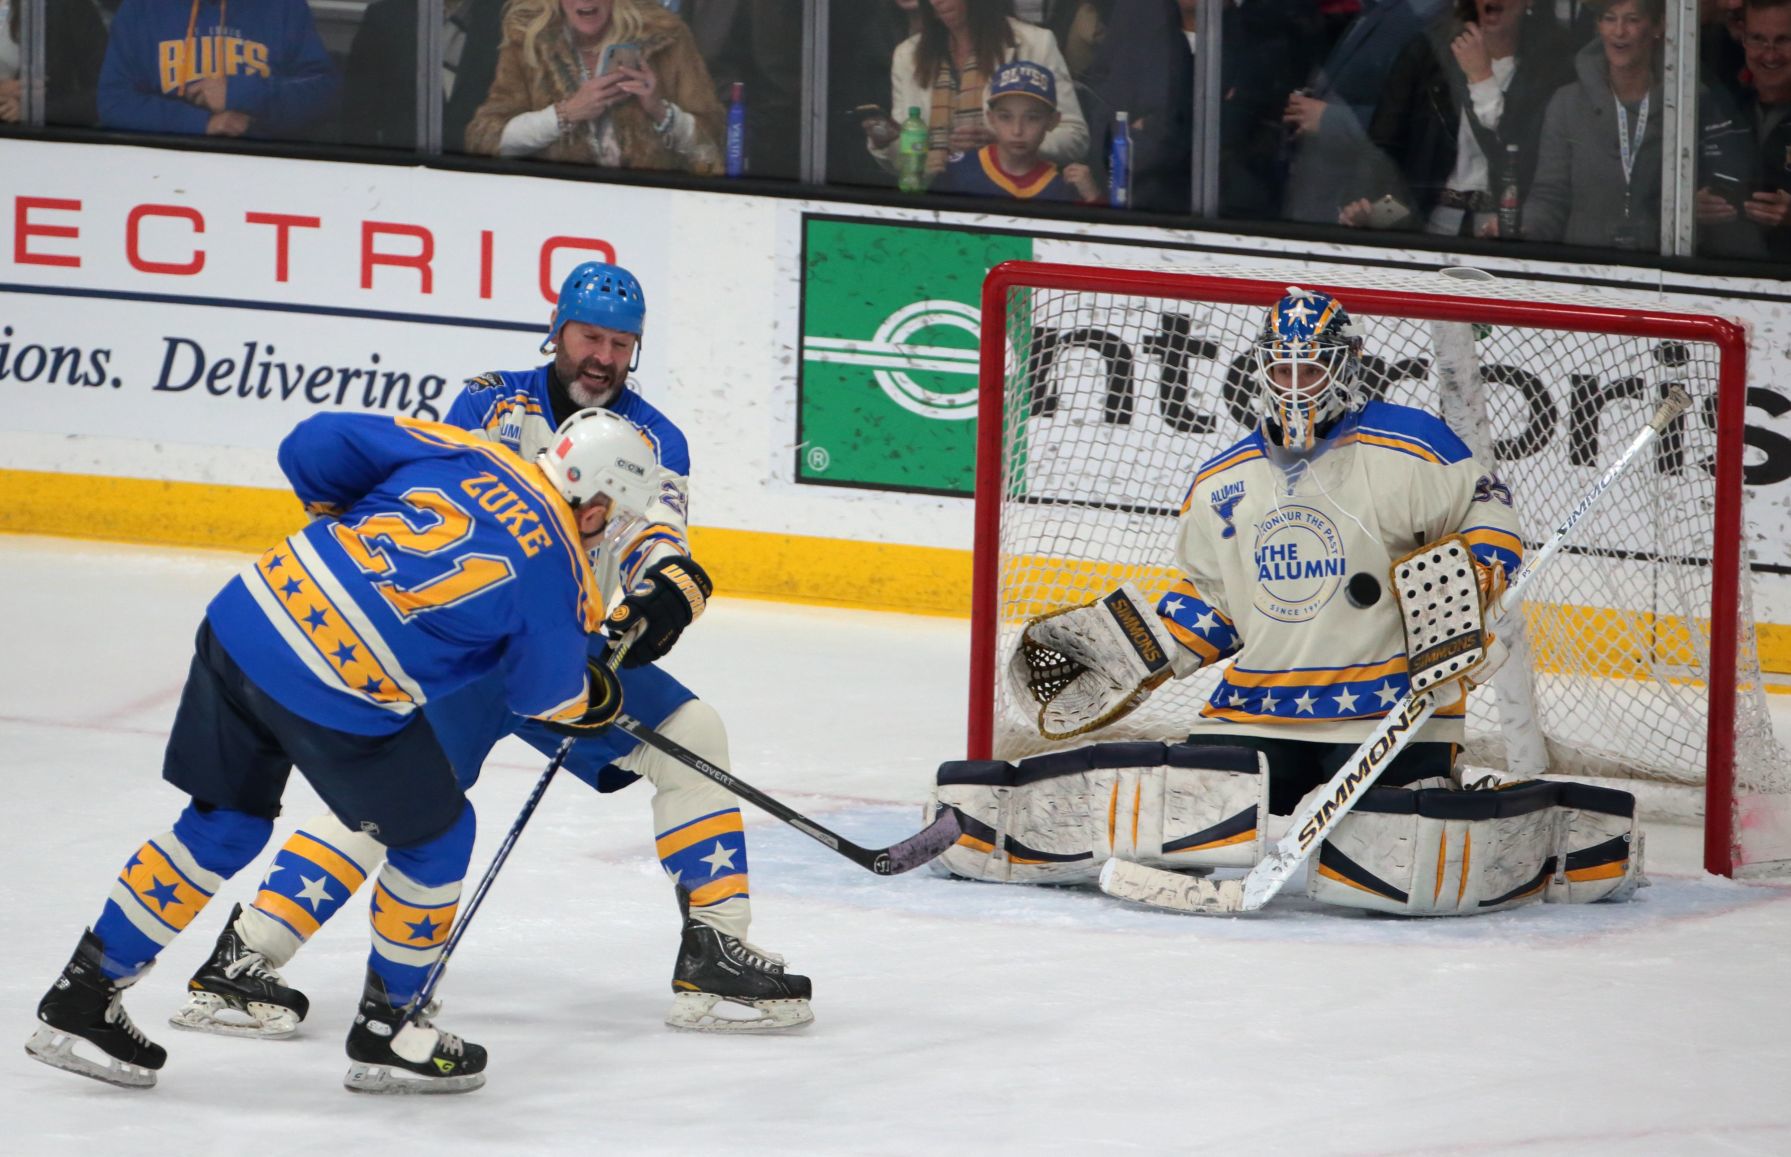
x=1300 y=563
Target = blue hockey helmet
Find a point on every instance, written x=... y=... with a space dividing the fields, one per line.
x=1308 y=358
x=598 y=293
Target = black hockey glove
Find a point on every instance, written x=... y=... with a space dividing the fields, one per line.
x=668 y=598
x=604 y=705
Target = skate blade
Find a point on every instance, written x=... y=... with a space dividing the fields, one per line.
x=385 y=1080
x=205 y=1012
x=707 y=1012
x=56 y=1049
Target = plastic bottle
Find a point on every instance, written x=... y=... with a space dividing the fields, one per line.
x=1511 y=220
x=911 y=148
x=737 y=130
x=1119 y=163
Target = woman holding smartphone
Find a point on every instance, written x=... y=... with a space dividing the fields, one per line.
x=617 y=83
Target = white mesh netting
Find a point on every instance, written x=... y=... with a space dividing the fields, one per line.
x=1111 y=401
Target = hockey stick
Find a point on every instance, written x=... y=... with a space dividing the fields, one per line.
x=420 y=1001
x=905 y=856
x=1161 y=889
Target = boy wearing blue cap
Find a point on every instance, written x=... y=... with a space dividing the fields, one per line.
x=1020 y=108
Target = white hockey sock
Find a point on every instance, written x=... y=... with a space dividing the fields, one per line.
x=698 y=831
x=314 y=873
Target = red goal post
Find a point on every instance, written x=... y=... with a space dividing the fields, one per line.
x=1077 y=345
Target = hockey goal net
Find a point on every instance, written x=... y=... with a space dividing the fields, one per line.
x=1103 y=389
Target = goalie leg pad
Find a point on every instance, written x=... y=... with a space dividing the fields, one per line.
x=1440 y=852
x=1056 y=818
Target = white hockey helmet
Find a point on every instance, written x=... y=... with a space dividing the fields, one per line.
x=1310 y=338
x=596 y=452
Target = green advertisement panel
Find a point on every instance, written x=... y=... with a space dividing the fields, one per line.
x=887 y=387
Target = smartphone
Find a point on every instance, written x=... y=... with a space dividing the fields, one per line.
x=1728 y=188
x=864 y=112
x=624 y=55
x=1386 y=213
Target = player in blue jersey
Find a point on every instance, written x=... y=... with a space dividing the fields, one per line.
x=594 y=336
x=436 y=560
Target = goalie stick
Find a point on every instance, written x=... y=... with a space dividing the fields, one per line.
x=1161 y=889
x=907 y=855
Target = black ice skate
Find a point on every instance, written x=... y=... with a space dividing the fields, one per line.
x=238 y=993
x=84 y=1005
x=393 y=1056
x=724 y=984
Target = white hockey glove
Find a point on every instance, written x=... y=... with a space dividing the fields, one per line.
x=1087 y=666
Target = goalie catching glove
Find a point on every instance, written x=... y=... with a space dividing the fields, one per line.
x=603 y=703
x=668 y=598
x=1087 y=666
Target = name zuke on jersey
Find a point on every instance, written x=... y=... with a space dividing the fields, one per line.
x=511 y=512
x=1132 y=623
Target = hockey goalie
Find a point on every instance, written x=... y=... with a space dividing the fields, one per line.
x=1341 y=536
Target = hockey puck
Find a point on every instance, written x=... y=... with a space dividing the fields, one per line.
x=1364 y=590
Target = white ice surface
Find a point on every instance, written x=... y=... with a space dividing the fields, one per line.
x=950 y=1016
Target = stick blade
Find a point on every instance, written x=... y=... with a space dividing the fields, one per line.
x=922 y=847
x=1155 y=888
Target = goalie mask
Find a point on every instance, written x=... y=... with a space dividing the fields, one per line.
x=596 y=452
x=1307 y=361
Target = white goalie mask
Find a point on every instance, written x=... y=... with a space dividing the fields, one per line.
x=1307 y=362
x=595 y=452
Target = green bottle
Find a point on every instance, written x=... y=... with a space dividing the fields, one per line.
x=911 y=151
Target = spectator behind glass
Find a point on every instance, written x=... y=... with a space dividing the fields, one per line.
x=943 y=71
x=1744 y=197
x=652 y=107
x=1142 y=67
x=758 y=42
x=224 y=68
x=1476 y=83
x=1583 y=193
x=1021 y=110
x=1329 y=118
x=74 y=45
x=861 y=39
x=379 y=95
x=1721 y=60
x=1267 y=48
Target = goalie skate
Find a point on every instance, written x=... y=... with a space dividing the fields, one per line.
x=86 y=1008
x=392 y=1056
x=237 y=993
x=724 y=984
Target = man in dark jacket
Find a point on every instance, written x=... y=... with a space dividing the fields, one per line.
x=1482 y=73
x=1744 y=195
x=256 y=68
x=379 y=99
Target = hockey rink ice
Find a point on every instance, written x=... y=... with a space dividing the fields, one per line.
x=950 y=1016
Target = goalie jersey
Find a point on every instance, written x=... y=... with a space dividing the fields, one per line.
x=514 y=409
x=1285 y=566
x=438 y=558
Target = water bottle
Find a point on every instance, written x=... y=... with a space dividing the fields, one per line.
x=911 y=148
x=1511 y=220
x=1119 y=163
x=737 y=130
